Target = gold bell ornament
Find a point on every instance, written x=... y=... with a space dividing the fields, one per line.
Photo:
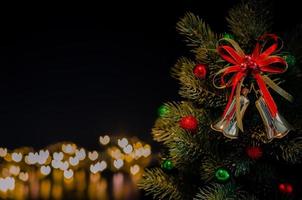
x=228 y=124
x=275 y=126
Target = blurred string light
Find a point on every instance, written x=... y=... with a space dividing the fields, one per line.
x=45 y=170
x=33 y=158
x=69 y=148
x=118 y=163
x=104 y=140
x=14 y=170
x=80 y=154
x=128 y=149
x=7 y=183
x=68 y=174
x=58 y=156
x=3 y=152
x=17 y=157
x=23 y=176
x=63 y=167
x=93 y=155
x=98 y=167
x=134 y=169
x=74 y=161
x=122 y=142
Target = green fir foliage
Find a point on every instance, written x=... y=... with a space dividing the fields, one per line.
x=291 y=150
x=249 y=20
x=167 y=127
x=196 y=32
x=222 y=192
x=193 y=88
x=160 y=185
x=196 y=156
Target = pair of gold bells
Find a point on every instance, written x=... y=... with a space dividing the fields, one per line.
x=275 y=127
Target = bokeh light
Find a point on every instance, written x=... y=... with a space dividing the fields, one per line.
x=59 y=169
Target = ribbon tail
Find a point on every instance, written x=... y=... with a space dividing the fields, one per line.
x=266 y=95
x=238 y=105
x=278 y=89
x=235 y=81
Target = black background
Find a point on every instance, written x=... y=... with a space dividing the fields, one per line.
x=74 y=72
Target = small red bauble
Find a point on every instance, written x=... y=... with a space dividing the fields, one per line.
x=189 y=123
x=286 y=188
x=200 y=71
x=254 y=152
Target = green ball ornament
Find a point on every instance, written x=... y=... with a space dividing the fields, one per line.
x=222 y=174
x=228 y=36
x=167 y=164
x=290 y=59
x=162 y=110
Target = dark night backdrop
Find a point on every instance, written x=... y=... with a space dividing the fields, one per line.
x=74 y=72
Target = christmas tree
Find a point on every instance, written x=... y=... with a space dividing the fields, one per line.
x=228 y=139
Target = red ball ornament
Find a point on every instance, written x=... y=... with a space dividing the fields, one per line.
x=286 y=188
x=189 y=123
x=200 y=71
x=254 y=152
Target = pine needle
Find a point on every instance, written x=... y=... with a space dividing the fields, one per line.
x=199 y=91
x=222 y=192
x=249 y=20
x=161 y=186
x=292 y=150
x=197 y=33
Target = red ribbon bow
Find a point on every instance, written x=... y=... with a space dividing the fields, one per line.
x=260 y=61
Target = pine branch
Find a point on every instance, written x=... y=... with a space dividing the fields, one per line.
x=291 y=150
x=199 y=91
x=196 y=32
x=185 y=149
x=199 y=35
x=249 y=20
x=222 y=192
x=242 y=167
x=206 y=55
x=155 y=182
x=209 y=166
x=213 y=62
x=211 y=162
x=167 y=127
x=257 y=132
